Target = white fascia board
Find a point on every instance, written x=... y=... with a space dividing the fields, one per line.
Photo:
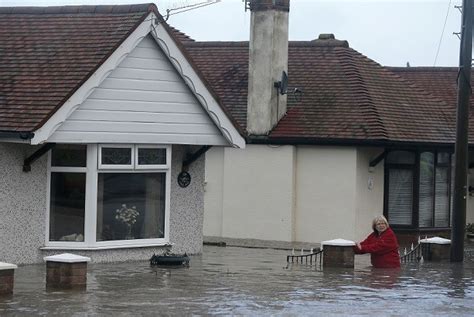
x=197 y=86
x=177 y=59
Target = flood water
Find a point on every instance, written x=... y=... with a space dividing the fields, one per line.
x=250 y=282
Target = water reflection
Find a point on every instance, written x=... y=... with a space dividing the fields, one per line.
x=239 y=281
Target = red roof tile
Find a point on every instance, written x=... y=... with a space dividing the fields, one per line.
x=440 y=82
x=346 y=96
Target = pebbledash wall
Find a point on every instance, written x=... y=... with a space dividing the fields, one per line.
x=22 y=205
x=23 y=210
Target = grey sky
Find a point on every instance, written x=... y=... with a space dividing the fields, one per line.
x=391 y=32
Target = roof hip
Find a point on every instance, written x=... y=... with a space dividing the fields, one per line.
x=359 y=88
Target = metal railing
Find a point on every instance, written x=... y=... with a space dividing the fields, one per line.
x=415 y=254
x=310 y=258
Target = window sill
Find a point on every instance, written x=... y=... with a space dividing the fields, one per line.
x=106 y=247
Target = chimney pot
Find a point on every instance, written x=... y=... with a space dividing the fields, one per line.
x=326 y=36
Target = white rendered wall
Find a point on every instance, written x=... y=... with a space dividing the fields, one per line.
x=287 y=193
x=370 y=190
x=470 y=200
x=470 y=210
x=214 y=192
x=257 y=193
x=326 y=193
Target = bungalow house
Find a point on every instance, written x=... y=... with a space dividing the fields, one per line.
x=333 y=139
x=103 y=123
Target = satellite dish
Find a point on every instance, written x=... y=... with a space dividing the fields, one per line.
x=283 y=84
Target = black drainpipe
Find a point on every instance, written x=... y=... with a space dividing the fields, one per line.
x=184 y=178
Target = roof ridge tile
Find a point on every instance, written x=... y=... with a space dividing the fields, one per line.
x=72 y=9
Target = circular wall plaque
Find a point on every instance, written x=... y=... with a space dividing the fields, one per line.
x=184 y=179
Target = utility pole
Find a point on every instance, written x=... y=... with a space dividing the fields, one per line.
x=462 y=129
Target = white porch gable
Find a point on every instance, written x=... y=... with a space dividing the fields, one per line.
x=152 y=96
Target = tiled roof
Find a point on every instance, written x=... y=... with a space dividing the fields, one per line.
x=440 y=82
x=346 y=96
x=46 y=53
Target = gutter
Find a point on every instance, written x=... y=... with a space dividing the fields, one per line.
x=347 y=142
x=23 y=136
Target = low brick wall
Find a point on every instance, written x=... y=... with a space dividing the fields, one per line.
x=436 y=252
x=66 y=275
x=6 y=281
x=407 y=237
x=338 y=256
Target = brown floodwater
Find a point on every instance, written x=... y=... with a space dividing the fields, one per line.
x=249 y=282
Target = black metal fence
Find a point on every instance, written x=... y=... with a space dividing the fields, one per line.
x=315 y=257
x=416 y=253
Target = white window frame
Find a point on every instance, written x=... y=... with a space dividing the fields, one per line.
x=90 y=222
x=152 y=166
x=116 y=166
x=63 y=169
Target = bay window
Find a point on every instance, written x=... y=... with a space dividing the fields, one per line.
x=418 y=189
x=108 y=195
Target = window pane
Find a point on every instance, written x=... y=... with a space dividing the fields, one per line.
x=73 y=155
x=400 y=196
x=442 y=198
x=130 y=206
x=116 y=156
x=66 y=221
x=401 y=157
x=151 y=156
x=426 y=189
x=443 y=158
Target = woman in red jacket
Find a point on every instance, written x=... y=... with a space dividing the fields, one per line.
x=382 y=245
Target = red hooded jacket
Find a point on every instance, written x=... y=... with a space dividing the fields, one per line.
x=383 y=249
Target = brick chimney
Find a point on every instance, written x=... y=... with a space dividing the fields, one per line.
x=268 y=58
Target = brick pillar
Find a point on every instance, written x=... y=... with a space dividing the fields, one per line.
x=338 y=253
x=436 y=249
x=7 y=272
x=66 y=271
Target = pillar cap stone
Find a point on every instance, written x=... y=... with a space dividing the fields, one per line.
x=339 y=243
x=436 y=240
x=67 y=258
x=7 y=266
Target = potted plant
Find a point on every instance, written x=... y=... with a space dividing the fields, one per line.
x=470 y=231
x=127 y=216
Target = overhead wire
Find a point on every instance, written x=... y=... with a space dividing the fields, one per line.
x=189 y=7
x=442 y=33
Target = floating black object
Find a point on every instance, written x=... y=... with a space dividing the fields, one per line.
x=170 y=259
